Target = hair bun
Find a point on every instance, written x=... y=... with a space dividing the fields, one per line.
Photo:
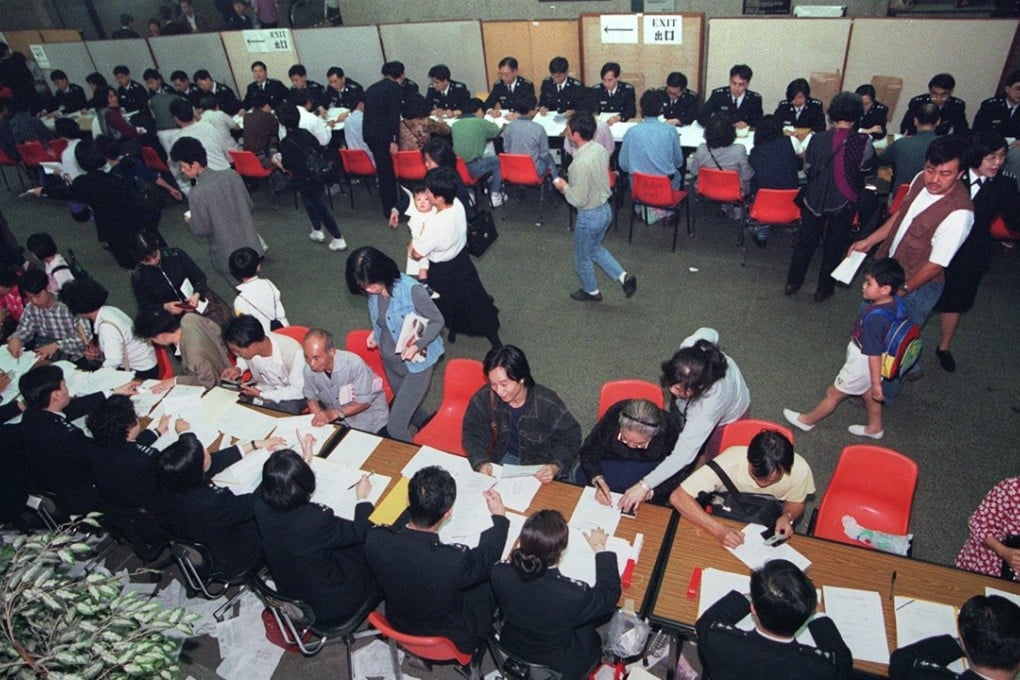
x=528 y=566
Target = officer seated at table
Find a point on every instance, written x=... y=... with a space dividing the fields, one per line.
x=990 y=634
x=782 y=601
x=768 y=465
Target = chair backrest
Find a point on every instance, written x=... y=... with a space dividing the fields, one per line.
x=152 y=160
x=357 y=162
x=356 y=343
x=741 y=432
x=298 y=612
x=296 y=332
x=163 y=364
x=462 y=379
x=57 y=146
x=1000 y=231
x=518 y=168
x=465 y=174
x=719 y=185
x=775 y=206
x=897 y=201
x=432 y=648
x=33 y=153
x=246 y=163
x=409 y=166
x=875 y=486
x=653 y=190
x=618 y=390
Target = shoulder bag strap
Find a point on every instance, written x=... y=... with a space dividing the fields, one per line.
x=123 y=343
x=821 y=168
x=727 y=482
x=713 y=157
x=256 y=307
x=493 y=426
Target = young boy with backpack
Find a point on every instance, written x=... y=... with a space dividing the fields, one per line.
x=44 y=248
x=862 y=373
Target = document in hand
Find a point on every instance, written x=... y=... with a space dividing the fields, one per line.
x=590 y=514
x=410 y=333
x=845 y=270
x=755 y=552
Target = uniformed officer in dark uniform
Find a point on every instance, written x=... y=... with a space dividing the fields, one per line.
x=1001 y=113
x=273 y=90
x=511 y=90
x=229 y=103
x=154 y=83
x=54 y=450
x=614 y=95
x=952 y=110
x=799 y=109
x=559 y=92
x=741 y=104
x=432 y=588
x=183 y=87
x=876 y=114
x=316 y=93
x=68 y=97
x=343 y=92
x=407 y=88
x=131 y=94
x=679 y=105
x=446 y=94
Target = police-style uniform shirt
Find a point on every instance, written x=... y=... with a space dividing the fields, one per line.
x=621 y=101
x=953 y=116
x=995 y=114
x=508 y=96
x=684 y=108
x=193 y=94
x=433 y=588
x=346 y=96
x=878 y=114
x=72 y=100
x=274 y=90
x=125 y=474
x=229 y=103
x=162 y=89
x=133 y=97
x=407 y=88
x=811 y=115
x=316 y=94
x=55 y=455
x=453 y=98
x=747 y=109
x=562 y=97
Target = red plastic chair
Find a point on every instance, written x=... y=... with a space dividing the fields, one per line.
x=873 y=484
x=58 y=146
x=296 y=332
x=164 y=366
x=8 y=162
x=409 y=166
x=741 y=432
x=1001 y=232
x=247 y=164
x=776 y=207
x=518 y=169
x=656 y=191
x=356 y=342
x=33 y=155
x=152 y=160
x=430 y=648
x=462 y=380
x=897 y=201
x=619 y=390
x=477 y=184
x=357 y=163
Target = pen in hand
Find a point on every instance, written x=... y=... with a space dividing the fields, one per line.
x=368 y=474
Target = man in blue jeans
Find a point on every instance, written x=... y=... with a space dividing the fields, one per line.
x=588 y=191
x=470 y=135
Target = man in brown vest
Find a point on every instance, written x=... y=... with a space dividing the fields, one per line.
x=928 y=229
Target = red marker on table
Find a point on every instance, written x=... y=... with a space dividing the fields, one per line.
x=628 y=570
x=695 y=585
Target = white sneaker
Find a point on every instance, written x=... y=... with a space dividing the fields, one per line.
x=317 y=235
x=497 y=199
x=859 y=430
x=794 y=419
x=338 y=244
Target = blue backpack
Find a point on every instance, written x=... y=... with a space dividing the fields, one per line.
x=902 y=346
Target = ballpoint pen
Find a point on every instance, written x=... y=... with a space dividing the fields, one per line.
x=368 y=474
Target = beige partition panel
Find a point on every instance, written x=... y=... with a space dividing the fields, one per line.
x=133 y=53
x=777 y=50
x=884 y=47
x=19 y=41
x=240 y=60
x=190 y=53
x=533 y=44
x=52 y=35
x=458 y=44
x=355 y=49
x=650 y=62
x=72 y=58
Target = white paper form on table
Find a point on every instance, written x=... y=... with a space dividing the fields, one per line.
x=245 y=475
x=15 y=368
x=333 y=483
x=245 y=423
x=355 y=448
x=590 y=514
x=426 y=456
x=80 y=383
x=920 y=619
x=293 y=428
x=858 y=616
x=518 y=492
x=754 y=552
x=578 y=560
x=554 y=124
x=1002 y=593
x=471 y=514
x=145 y=399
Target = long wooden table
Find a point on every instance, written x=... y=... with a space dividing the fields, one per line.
x=833 y=564
x=390 y=457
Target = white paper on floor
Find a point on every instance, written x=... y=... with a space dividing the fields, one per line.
x=373 y=661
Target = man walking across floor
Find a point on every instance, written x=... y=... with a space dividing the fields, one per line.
x=588 y=191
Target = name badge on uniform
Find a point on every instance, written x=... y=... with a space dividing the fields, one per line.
x=346 y=394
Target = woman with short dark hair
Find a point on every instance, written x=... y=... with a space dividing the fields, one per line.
x=312 y=554
x=416 y=127
x=550 y=619
x=720 y=152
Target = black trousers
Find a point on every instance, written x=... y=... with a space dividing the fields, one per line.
x=384 y=169
x=833 y=230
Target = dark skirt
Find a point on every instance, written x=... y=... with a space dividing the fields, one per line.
x=466 y=306
x=963 y=275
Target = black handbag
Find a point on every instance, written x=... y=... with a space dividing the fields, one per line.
x=757 y=508
x=481 y=233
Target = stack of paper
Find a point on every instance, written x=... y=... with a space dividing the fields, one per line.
x=920 y=619
x=858 y=616
x=245 y=475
